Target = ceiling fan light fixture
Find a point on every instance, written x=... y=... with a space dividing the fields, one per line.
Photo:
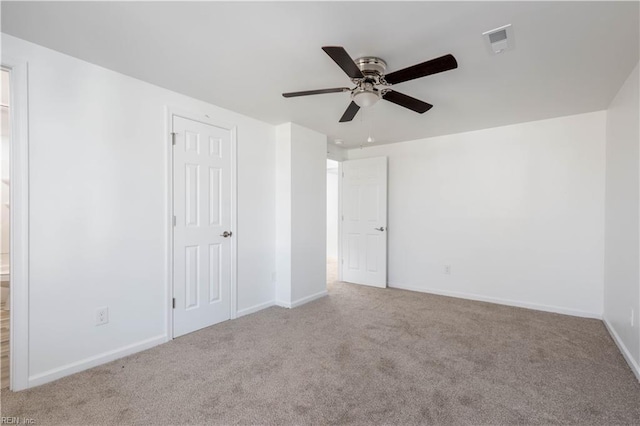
x=365 y=98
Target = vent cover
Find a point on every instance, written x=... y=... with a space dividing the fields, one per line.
x=497 y=36
x=499 y=39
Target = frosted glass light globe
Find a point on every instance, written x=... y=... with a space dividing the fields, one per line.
x=365 y=98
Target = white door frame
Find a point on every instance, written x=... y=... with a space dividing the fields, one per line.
x=19 y=216
x=339 y=215
x=340 y=218
x=339 y=159
x=206 y=119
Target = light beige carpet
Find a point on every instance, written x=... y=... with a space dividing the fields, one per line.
x=363 y=356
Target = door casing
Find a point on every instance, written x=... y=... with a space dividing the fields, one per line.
x=205 y=119
x=19 y=234
x=340 y=216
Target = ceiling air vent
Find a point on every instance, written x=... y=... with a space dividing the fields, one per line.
x=499 y=39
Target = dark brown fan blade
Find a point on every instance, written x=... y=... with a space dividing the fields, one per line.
x=344 y=61
x=434 y=66
x=407 y=101
x=316 y=92
x=351 y=112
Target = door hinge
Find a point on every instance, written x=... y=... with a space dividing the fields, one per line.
x=173 y=138
x=174 y=221
x=342 y=217
x=173 y=303
x=342 y=261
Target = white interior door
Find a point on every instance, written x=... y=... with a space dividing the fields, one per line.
x=202 y=208
x=364 y=221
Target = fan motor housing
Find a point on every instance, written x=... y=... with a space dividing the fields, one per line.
x=371 y=65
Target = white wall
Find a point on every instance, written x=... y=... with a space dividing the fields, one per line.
x=98 y=207
x=517 y=212
x=301 y=195
x=622 y=239
x=283 y=214
x=308 y=217
x=336 y=153
x=332 y=208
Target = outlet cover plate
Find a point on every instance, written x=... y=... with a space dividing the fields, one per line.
x=102 y=316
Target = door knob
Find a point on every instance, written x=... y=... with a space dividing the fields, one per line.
x=381 y=229
x=226 y=234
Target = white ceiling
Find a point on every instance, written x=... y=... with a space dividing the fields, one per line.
x=570 y=57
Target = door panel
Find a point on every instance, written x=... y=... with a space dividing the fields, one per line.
x=364 y=221
x=215 y=271
x=202 y=209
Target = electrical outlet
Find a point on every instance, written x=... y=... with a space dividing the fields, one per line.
x=102 y=316
x=447 y=269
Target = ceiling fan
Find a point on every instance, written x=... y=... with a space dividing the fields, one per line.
x=372 y=84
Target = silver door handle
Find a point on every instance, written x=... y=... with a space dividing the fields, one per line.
x=381 y=229
x=226 y=234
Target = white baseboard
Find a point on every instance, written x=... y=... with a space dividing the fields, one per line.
x=623 y=348
x=94 y=361
x=255 y=308
x=302 y=301
x=480 y=298
x=308 y=299
x=283 y=304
